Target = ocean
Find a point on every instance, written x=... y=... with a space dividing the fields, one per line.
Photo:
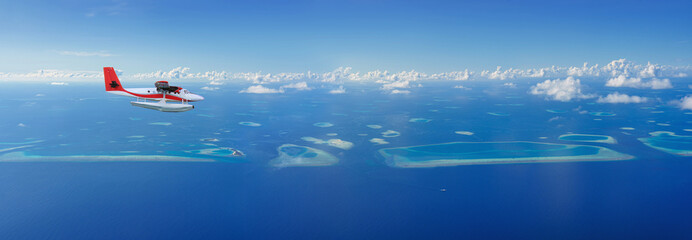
x=78 y=163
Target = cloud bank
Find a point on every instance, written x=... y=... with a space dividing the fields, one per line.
x=51 y=74
x=635 y=82
x=210 y=88
x=560 y=90
x=300 y=86
x=686 y=103
x=621 y=98
x=340 y=90
x=259 y=89
x=619 y=73
x=397 y=91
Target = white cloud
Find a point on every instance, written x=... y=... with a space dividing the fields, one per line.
x=649 y=71
x=214 y=76
x=338 y=75
x=261 y=89
x=629 y=69
x=388 y=79
x=411 y=76
x=618 y=67
x=405 y=76
x=210 y=88
x=660 y=84
x=340 y=90
x=686 y=102
x=176 y=73
x=397 y=84
x=621 y=98
x=397 y=91
x=262 y=78
x=635 y=82
x=219 y=77
x=509 y=84
x=461 y=87
x=378 y=141
x=85 y=54
x=50 y=75
x=456 y=76
x=59 y=83
x=300 y=86
x=512 y=73
x=560 y=90
x=21 y=125
x=497 y=74
x=613 y=69
x=584 y=70
x=623 y=81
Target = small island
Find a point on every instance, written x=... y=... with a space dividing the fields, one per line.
x=301 y=156
x=473 y=153
x=669 y=142
x=587 y=138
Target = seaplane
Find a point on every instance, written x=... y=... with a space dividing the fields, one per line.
x=152 y=98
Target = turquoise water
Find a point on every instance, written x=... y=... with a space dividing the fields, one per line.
x=583 y=138
x=323 y=124
x=602 y=114
x=250 y=124
x=420 y=120
x=587 y=138
x=390 y=133
x=21 y=143
x=460 y=153
x=301 y=156
x=498 y=114
x=293 y=150
x=670 y=143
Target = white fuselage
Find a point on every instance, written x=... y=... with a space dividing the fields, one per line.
x=151 y=93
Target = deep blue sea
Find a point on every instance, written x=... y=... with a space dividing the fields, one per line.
x=55 y=192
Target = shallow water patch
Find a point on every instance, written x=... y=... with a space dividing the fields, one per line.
x=587 y=138
x=301 y=156
x=472 y=153
x=669 y=142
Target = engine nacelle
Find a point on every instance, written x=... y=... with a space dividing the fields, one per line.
x=162 y=86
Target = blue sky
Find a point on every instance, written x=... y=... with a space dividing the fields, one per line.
x=321 y=35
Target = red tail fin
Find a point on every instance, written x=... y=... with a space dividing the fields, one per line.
x=112 y=82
